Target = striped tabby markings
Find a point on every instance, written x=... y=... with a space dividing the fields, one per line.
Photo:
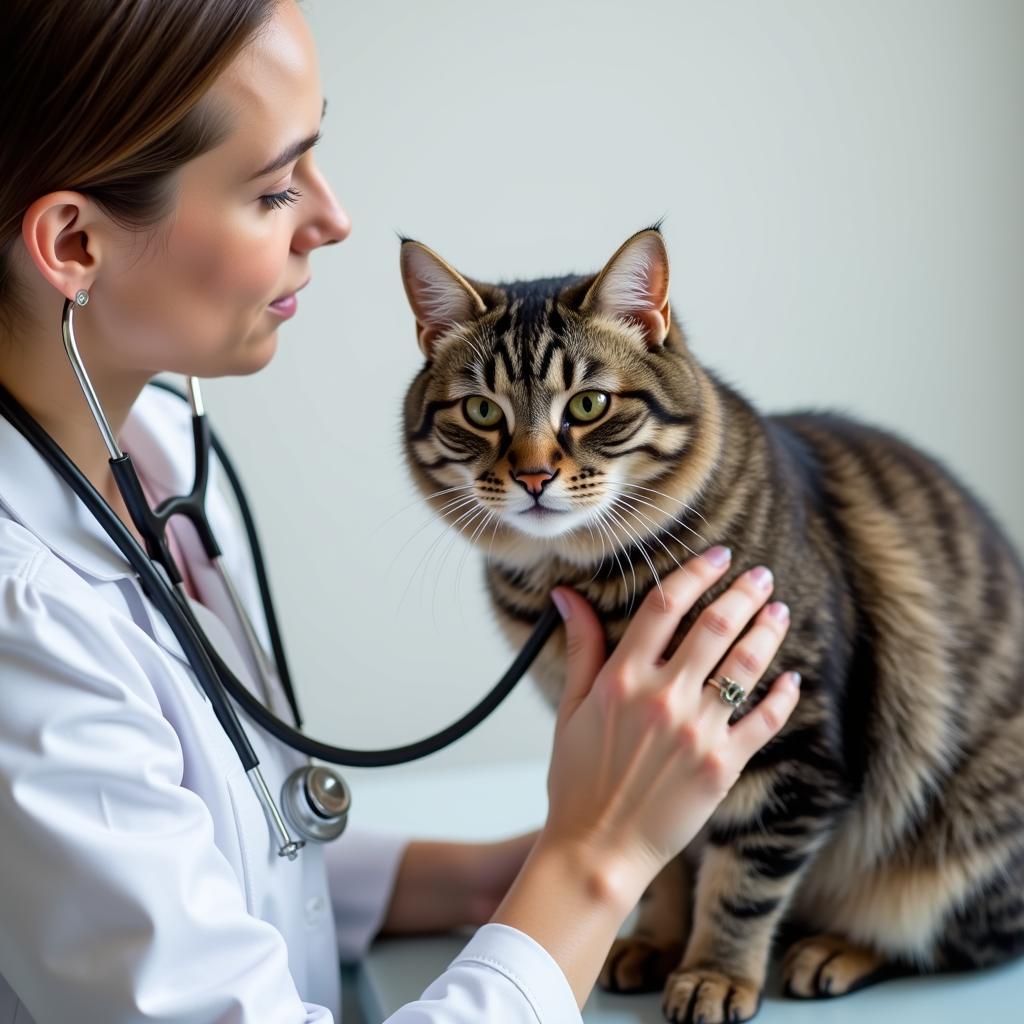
x=735 y=915
x=918 y=700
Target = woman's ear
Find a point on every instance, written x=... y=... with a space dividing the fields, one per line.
x=58 y=240
x=440 y=297
x=634 y=286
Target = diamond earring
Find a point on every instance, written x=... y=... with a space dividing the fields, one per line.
x=81 y=297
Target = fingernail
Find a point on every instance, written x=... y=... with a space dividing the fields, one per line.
x=563 y=606
x=762 y=577
x=779 y=610
x=794 y=679
x=718 y=556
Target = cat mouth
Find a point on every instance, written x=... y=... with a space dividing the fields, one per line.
x=540 y=511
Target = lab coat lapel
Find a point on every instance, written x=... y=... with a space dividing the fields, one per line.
x=43 y=504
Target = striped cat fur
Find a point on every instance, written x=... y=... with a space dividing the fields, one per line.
x=565 y=427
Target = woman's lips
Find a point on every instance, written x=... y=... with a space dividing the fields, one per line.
x=284 y=307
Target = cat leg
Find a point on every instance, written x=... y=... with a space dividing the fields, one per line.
x=642 y=960
x=742 y=893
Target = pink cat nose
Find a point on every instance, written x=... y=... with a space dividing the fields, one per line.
x=533 y=479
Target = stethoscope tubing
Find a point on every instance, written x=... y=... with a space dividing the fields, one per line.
x=215 y=677
x=165 y=597
x=292 y=737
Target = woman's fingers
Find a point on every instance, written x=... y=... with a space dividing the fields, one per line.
x=763 y=722
x=748 y=659
x=718 y=626
x=658 y=617
x=584 y=645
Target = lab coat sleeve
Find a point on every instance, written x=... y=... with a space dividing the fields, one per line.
x=361 y=870
x=501 y=975
x=116 y=904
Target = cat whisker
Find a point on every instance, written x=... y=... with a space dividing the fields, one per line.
x=610 y=511
x=449 y=490
x=488 y=516
x=457 y=531
x=623 y=502
x=600 y=520
x=664 y=494
x=447 y=509
x=446 y=526
x=419 y=502
x=689 y=508
x=650 y=504
x=594 y=538
x=601 y=536
x=424 y=561
x=654 y=536
x=494 y=533
x=643 y=551
x=460 y=532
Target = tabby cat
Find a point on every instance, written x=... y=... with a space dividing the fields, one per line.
x=567 y=427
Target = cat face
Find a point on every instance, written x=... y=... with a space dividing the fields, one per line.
x=549 y=407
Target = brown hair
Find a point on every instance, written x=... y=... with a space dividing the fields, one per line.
x=103 y=97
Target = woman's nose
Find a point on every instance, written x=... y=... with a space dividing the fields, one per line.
x=328 y=224
x=340 y=226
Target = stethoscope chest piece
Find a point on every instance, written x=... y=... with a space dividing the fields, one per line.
x=316 y=802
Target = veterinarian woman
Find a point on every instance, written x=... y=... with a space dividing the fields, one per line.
x=137 y=879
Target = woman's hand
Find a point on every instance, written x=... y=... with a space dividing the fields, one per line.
x=643 y=754
x=643 y=750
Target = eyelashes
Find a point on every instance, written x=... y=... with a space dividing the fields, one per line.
x=280 y=199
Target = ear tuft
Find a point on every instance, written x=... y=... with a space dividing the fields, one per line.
x=634 y=286
x=440 y=297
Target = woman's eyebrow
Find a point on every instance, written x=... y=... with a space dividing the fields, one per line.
x=290 y=153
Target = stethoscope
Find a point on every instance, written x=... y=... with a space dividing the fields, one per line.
x=315 y=799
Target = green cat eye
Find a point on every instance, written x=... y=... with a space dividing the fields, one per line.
x=588 y=406
x=483 y=412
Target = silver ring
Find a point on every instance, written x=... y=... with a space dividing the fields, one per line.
x=729 y=691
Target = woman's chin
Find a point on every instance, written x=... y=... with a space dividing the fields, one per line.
x=256 y=355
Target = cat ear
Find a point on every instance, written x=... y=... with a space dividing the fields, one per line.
x=634 y=286
x=441 y=298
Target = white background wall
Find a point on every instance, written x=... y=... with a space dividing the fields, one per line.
x=842 y=190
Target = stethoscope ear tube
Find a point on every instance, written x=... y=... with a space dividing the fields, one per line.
x=166 y=599
x=169 y=601
x=262 y=580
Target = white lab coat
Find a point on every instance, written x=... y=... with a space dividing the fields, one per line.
x=138 y=878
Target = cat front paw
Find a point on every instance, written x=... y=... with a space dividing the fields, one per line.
x=703 y=996
x=638 y=965
x=823 y=966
